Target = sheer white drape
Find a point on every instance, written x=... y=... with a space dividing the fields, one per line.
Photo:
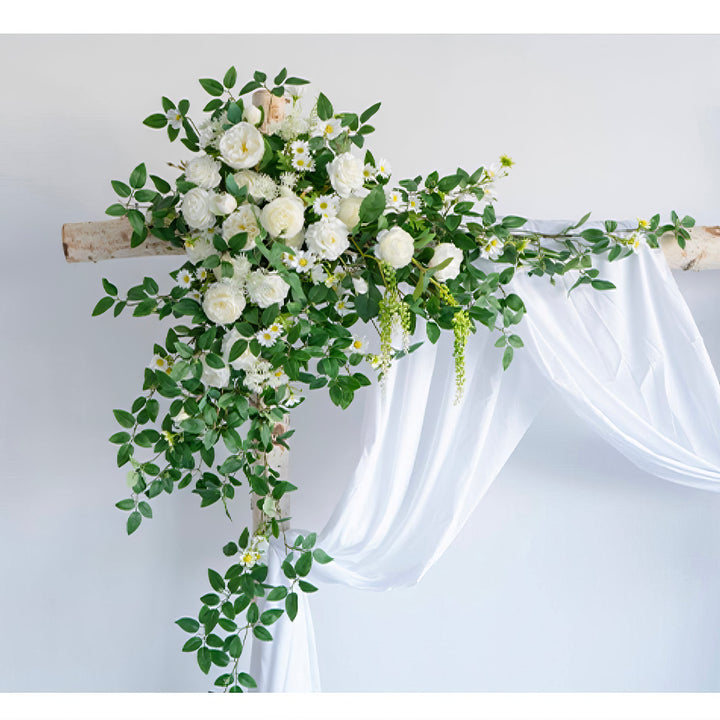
x=630 y=361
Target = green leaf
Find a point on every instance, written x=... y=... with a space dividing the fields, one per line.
x=230 y=549
x=507 y=357
x=133 y=522
x=303 y=565
x=203 y=659
x=138 y=176
x=324 y=107
x=235 y=647
x=277 y=593
x=602 y=285
x=246 y=680
x=136 y=220
x=280 y=77
x=103 y=305
x=230 y=78
x=291 y=605
x=252 y=85
x=513 y=221
x=124 y=418
x=158 y=120
x=369 y=112
x=216 y=581
x=192 y=644
x=188 y=624
x=145 y=509
x=116 y=210
x=109 y=288
x=271 y=616
x=373 y=205
x=212 y=87
x=321 y=556
x=162 y=185
x=127 y=504
x=296 y=81
x=121 y=188
x=262 y=633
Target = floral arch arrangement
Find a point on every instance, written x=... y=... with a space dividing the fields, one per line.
x=298 y=242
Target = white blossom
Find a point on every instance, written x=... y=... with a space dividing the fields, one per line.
x=443 y=252
x=196 y=210
x=328 y=239
x=283 y=217
x=203 y=171
x=223 y=303
x=346 y=174
x=242 y=146
x=395 y=247
x=266 y=289
x=243 y=220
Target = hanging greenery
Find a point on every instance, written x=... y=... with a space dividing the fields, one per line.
x=298 y=240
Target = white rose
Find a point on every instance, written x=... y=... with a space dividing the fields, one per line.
x=442 y=252
x=346 y=174
x=203 y=171
x=328 y=239
x=252 y=114
x=283 y=217
x=196 y=210
x=395 y=247
x=266 y=289
x=349 y=211
x=223 y=303
x=360 y=285
x=222 y=203
x=296 y=241
x=242 y=146
x=215 y=377
x=241 y=268
x=242 y=220
x=199 y=247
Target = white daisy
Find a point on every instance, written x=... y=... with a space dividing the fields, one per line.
x=413 y=203
x=300 y=261
x=492 y=250
x=250 y=558
x=394 y=199
x=174 y=118
x=302 y=163
x=201 y=274
x=267 y=337
x=300 y=148
x=277 y=378
x=195 y=295
x=383 y=168
x=159 y=363
x=326 y=206
x=328 y=129
x=369 y=172
x=185 y=278
x=359 y=345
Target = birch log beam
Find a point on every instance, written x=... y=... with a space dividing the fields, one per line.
x=109 y=239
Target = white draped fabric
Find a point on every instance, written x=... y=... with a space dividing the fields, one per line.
x=629 y=361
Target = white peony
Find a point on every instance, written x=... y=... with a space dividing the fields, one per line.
x=223 y=303
x=395 y=247
x=266 y=289
x=196 y=209
x=241 y=268
x=346 y=174
x=442 y=252
x=242 y=146
x=349 y=211
x=252 y=114
x=328 y=239
x=222 y=203
x=215 y=377
x=203 y=171
x=199 y=247
x=283 y=217
x=242 y=220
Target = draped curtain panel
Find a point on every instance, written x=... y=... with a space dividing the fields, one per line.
x=630 y=362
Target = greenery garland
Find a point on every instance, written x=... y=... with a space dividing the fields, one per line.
x=292 y=241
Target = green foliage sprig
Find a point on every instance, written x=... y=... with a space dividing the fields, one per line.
x=292 y=242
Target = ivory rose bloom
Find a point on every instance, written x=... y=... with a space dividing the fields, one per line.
x=223 y=303
x=442 y=252
x=252 y=114
x=196 y=210
x=296 y=241
x=349 y=211
x=328 y=239
x=241 y=269
x=242 y=220
x=266 y=289
x=215 y=377
x=395 y=247
x=346 y=174
x=203 y=171
x=283 y=217
x=242 y=146
x=222 y=203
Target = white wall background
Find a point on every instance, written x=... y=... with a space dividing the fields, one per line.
x=577 y=572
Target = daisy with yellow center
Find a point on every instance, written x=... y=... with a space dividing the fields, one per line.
x=174 y=118
x=159 y=363
x=644 y=224
x=184 y=278
x=300 y=148
x=359 y=345
x=369 y=172
x=394 y=199
x=383 y=168
x=326 y=206
x=202 y=274
x=302 y=163
x=413 y=203
x=268 y=336
x=250 y=558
